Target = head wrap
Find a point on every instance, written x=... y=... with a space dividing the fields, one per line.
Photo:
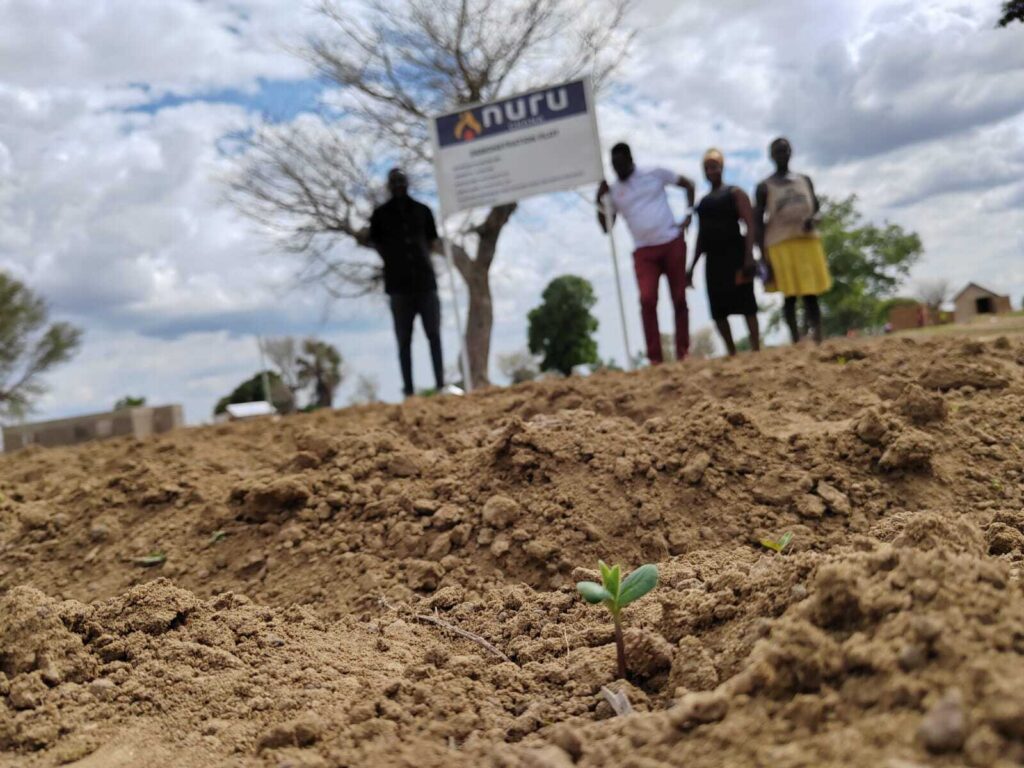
x=715 y=154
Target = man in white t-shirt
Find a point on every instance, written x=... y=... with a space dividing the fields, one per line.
x=639 y=195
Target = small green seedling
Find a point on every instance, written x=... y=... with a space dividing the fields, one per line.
x=153 y=558
x=218 y=536
x=778 y=546
x=616 y=593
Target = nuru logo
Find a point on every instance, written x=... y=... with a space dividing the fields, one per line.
x=519 y=112
x=468 y=127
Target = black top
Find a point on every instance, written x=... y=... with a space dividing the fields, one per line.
x=724 y=247
x=403 y=232
x=720 y=224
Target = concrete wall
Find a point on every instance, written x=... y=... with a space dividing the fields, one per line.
x=136 y=422
x=967 y=303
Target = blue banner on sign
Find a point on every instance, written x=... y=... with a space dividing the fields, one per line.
x=526 y=111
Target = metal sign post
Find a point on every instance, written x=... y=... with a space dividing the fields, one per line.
x=609 y=222
x=467 y=377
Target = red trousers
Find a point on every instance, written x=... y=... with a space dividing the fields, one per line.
x=651 y=263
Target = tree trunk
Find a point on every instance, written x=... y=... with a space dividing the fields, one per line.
x=476 y=274
x=479 y=322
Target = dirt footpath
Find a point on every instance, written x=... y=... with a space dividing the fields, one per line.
x=279 y=593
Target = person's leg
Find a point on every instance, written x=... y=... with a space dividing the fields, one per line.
x=648 y=272
x=812 y=311
x=675 y=268
x=726 y=333
x=430 y=315
x=754 y=331
x=789 y=312
x=403 y=311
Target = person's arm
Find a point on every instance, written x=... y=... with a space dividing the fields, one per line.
x=761 y=196
x=810 y=223
x=602 y=201
x=698 y=251
x=746 y=213
x=691 y=196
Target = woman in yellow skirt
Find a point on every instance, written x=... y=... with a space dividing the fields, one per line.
x=789 y=240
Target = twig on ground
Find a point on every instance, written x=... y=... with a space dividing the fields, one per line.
x=463 y=633
x=472 y=636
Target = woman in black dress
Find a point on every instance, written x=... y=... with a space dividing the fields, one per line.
x=730 y=254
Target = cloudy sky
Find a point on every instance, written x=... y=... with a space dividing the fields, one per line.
x=116 y=115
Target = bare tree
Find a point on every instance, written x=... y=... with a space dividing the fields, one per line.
x=283 y=354
x=29 y=346
x=313 y=182
x=934 y=293
x=322 y=368
x=367 y=390
x=519 y=366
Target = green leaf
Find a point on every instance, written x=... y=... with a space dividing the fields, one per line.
x=785 y=539
x=771 y=544
x=638 y=583
x=154 y=558
x=610 y=577
x=593 y=592
x=218 y=536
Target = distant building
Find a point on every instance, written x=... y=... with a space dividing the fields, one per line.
x=134 y=422
x=903 y=317
x=976 y=301
x=241 y=411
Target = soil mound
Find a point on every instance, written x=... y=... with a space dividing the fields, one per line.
x=394 y=585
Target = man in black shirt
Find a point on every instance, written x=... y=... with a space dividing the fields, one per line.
x=403 y=232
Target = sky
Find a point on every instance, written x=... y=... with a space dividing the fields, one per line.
x=116 y=120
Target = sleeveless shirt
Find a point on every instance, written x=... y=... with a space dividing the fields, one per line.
x=790 y=203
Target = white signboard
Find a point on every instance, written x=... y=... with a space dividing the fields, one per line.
x=497 y=153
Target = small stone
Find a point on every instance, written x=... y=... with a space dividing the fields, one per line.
x=500 y=511
x=870 y=427
x=99 y=532
x=403 y=465
x=439 y=547
x=501 y=545
x=913 y=449
x=424 y=506
x=447 y=516
x=810 y=506
x=696 y=466
x=623 y=469
x=835 y=500
x=27 y=691
x=424 y=575
x=699 y=709
x=798 y=592
x=944 y=727
x=103 y=689
x=911 y=658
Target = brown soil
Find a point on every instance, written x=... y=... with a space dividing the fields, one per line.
x=282 y=629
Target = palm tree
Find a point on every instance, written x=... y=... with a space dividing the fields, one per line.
x=322 y=366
